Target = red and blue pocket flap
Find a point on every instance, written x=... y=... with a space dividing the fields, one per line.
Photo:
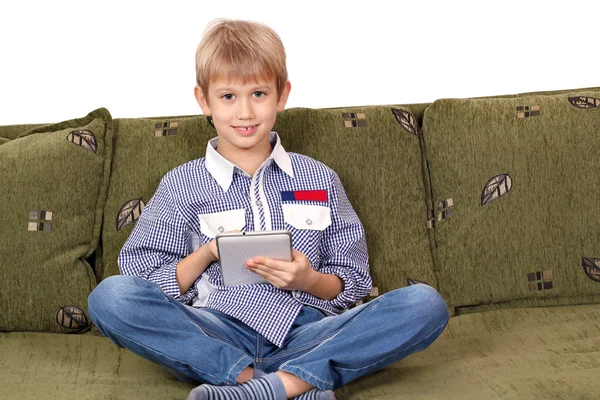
x=305 y=195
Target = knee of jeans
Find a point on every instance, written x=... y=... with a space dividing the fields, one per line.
x=424 y=300
x=431 y=302
x=111 y=297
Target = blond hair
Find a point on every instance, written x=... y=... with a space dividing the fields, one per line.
x=240 y=50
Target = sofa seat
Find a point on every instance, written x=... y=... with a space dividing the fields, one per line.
x=88 y=366
x=521 y=353
x=526 y=353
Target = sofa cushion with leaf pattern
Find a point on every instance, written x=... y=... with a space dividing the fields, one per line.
x=54 y=183
x=515 y=189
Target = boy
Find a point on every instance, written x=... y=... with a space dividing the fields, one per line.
x=278 y=340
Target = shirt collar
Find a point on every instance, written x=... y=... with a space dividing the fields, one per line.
x=222 y=170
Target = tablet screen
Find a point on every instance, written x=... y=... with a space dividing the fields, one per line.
x=236 y=247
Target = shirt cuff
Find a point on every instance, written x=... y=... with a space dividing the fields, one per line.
x=348 y=296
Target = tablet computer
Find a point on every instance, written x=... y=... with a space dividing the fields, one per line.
x=235 y=248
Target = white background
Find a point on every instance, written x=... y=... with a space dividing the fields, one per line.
x=61 y=59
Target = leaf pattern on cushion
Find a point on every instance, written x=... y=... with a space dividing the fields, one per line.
x=496 y=187
x=84 y=138
x=130 y=212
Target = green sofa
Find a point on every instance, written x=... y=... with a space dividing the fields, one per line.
x=493 y=201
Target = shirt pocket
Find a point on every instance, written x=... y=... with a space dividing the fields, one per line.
x=304 y=216
x=214 y=223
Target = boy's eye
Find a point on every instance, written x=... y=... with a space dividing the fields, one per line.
x=227 y=96
x=259 y=94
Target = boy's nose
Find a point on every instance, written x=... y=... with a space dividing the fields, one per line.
x=245 y=110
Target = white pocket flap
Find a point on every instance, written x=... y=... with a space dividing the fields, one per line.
x=213 y=224
x=304 y=216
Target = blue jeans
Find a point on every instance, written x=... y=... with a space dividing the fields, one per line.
x=205 y=345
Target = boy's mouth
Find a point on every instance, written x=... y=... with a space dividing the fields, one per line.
x=245 y=130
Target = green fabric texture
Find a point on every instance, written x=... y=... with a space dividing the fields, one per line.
x=527 y=353
x=542 y=353
x=54 y=366
x=522 y=176
x=545 y=93
x=10 y=132
x=380 y=167
x=57 y=177
x=417 y=109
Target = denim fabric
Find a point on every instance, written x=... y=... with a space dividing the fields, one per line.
x=205 y=345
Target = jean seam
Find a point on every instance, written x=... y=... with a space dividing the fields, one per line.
x=332 y=336
x=299 y=349
x=286 y=367
x=203 y=329
x=442 y=325
x=105 y=326
x=259 y=347
x=229 y=380
x=286 y=364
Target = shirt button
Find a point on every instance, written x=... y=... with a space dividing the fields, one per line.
x=259 y=204
x=308 y=221
x=296 y=294
x=220 y=229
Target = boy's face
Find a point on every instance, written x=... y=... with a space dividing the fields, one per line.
x=243 y=113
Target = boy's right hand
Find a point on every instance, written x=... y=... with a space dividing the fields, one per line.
x=210 y=249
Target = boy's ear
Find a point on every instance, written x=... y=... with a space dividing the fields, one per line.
x=284 y=96
x=202 y=100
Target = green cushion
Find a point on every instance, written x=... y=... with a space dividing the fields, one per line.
x=379 y=163
x=55 y=179
x=539 y=153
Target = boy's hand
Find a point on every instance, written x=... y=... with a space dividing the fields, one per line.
x=290 y=275
x=210 y=249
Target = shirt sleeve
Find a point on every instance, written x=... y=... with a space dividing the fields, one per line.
x=157 y=243
x=344 y=249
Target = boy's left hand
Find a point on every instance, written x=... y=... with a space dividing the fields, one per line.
x=290 y=275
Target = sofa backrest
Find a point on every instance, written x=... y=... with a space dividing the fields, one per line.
x=515 y=189
x=493 y=201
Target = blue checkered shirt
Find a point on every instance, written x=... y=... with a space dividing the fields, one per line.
x=203 y=197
